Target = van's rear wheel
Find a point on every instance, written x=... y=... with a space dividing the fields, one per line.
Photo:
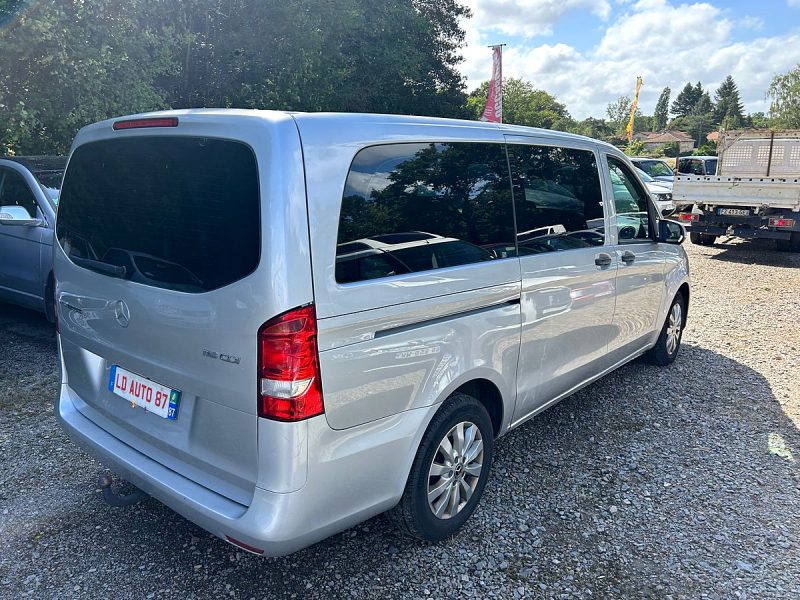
x=449 y=472
x=669 y=342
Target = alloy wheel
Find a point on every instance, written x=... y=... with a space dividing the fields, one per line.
x=455 y=470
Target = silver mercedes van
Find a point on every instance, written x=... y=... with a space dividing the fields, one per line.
x=282 y=324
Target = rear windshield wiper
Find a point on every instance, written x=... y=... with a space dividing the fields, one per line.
x=100 y=266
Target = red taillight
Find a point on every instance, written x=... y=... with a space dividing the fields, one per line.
x=684 y=216
x=139 y=123
x=289 y=386
x=781 y=222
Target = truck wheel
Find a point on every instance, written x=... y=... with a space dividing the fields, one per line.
x=669 y=342
x=449 y=471
x=790 y=245
x=702 y=239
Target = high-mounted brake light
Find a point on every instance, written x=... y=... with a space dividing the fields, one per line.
x=289 y=385
x=781 y=222
x=140 y=123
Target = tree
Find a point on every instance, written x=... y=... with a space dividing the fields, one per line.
x=728 y=108
x=66 y=63
x=594 y=128
x=635 y=148
x=523 y=105
x=686 y=99
x=661 y=114
x=618 y=114
x=757 y=120
x=784 y=93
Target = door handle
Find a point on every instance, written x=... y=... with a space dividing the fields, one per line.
x=628 y=256
x=602 y=259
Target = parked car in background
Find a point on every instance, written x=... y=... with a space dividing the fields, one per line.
x=661 y=191
x=655 y=168
x=697 y=165
x=282 y=324
x=29 y=188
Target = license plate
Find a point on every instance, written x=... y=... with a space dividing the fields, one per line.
x=140 y=391
x=734 y=212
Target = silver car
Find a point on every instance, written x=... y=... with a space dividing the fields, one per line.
x=28 y=195
x=280 y=325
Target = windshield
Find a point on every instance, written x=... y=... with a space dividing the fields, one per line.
x=655 y=168
x=50 y=182
x=645 y=177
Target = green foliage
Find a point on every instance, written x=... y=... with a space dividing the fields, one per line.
x=618 y=113
x=784 y=94
x=635 y=148
x=707 y=149
x=593 y=128
x=728 y=107
x=671 y=150
x=523 y=105
x=661 y=113
x=757 y=120
x=686 y=99
x=67 y=63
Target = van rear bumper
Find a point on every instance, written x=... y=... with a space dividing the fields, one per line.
x=353 y=475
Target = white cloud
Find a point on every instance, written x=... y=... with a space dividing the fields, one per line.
x=528 y=19
x=793 y=3
x=754 y=23
x=667 y=45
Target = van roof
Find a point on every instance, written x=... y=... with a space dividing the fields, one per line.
x=349 y=121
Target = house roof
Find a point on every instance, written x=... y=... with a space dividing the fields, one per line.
x=665 y=137
x=713 y=136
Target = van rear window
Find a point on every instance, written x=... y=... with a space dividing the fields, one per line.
x=179 y=213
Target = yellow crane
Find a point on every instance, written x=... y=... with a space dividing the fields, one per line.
x=629 y=128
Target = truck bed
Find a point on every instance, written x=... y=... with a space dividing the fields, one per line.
x=774 y=192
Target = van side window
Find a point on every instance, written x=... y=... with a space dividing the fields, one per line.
x=558 y=198
x=410 y=208
x=630 y=203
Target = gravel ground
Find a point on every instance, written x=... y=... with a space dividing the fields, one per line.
x=663 y=483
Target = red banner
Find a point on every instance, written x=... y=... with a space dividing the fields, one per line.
x=493 y=112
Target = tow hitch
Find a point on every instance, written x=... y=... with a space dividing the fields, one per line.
x=114 y=498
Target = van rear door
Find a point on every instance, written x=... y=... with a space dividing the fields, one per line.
x=164 y=278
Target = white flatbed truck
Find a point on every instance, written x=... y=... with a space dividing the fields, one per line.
x=755 y=193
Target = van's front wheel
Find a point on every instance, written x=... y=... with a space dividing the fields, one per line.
x=449 y=471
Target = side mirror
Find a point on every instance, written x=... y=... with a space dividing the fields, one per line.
x=671 y=232
x=18 y=216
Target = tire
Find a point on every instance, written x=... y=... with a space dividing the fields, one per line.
x=702 y=239
x=669 y=341
x=790 y=245
x=414 y=515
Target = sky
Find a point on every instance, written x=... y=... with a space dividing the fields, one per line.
x=588 y=53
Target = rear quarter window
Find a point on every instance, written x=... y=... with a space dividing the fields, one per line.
x=173 y=212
